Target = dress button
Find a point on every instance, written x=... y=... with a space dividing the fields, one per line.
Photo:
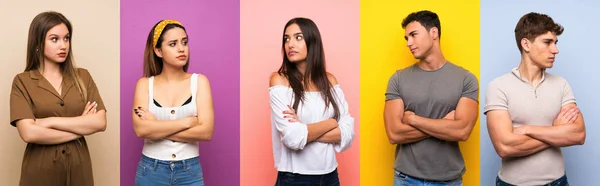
x=173 y=155
x=172 y=111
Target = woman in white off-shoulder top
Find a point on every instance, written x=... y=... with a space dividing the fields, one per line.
x=309 y=114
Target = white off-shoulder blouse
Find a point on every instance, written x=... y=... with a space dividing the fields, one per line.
x=291 y=151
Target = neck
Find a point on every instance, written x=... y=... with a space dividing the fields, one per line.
x=530 y=72
x=170 y=73
x=435 y=60
x=51 y=69
x=301 y=67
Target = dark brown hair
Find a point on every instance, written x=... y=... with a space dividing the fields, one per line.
x=426 y=18
x=39 y=27
x=315 y=66
x=535 y=24
x=153 y=64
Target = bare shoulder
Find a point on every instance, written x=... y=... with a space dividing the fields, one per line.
x=203 y=80
x=278 y=79
x=332 y=79
x=142 y=83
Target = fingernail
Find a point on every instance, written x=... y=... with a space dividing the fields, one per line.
x=139 y=107
x=135 y=109
x=140 y=115
x=136 y=112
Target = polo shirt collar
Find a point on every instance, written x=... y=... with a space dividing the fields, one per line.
x=515 y=71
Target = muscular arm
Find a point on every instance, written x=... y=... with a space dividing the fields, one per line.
x=457 y=129
x=561 y=133
x=505 y=141
x=398 y=132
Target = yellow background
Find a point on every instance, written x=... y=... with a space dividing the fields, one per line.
x=383 y=51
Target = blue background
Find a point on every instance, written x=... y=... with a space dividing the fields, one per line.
x=576 y=62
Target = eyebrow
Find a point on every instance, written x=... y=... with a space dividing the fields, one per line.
x=549 y=39
x=50 y=35
x=297 y=33
x=410 y=33
x=175 y=40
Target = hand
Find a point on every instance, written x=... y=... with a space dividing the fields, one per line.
x=291 y=115
x=193 y=120
x=144 y=114
x=450 y=115
x=520 y=129
x=567 y=115
x=90 y=108
x=406 y=119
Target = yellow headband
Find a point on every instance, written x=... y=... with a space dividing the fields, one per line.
x=159 y=28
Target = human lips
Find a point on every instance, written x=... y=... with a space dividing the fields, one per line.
x=62 y=54
x=291 y=53
x=413 y=50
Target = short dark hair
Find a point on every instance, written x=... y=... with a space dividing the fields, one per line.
x=427 y=18
x=535 y=24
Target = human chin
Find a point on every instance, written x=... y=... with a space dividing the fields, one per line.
x=295 y=59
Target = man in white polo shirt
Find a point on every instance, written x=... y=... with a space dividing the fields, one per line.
x=531 y=114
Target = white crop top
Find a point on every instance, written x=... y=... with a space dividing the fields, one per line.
x=166 y=149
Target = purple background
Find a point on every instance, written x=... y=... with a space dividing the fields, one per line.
x=213 y=29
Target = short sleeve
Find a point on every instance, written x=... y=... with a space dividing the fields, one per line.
x=393 y=88
x=568 y=96
x=20 y=103
x=470 y=87
x=495 y=97
x=92 y=90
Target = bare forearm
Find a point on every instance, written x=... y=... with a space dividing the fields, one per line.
x=31 y=133
x=333 y=136
x=81 y=125
x=159 y=129
x=404 y=134
x=316 y=130
x=559 y=135
x=520 y=145
x=51 y=136
x=444 y=129
x=202 y=131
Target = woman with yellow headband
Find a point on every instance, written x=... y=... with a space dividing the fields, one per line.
x=172 y=110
